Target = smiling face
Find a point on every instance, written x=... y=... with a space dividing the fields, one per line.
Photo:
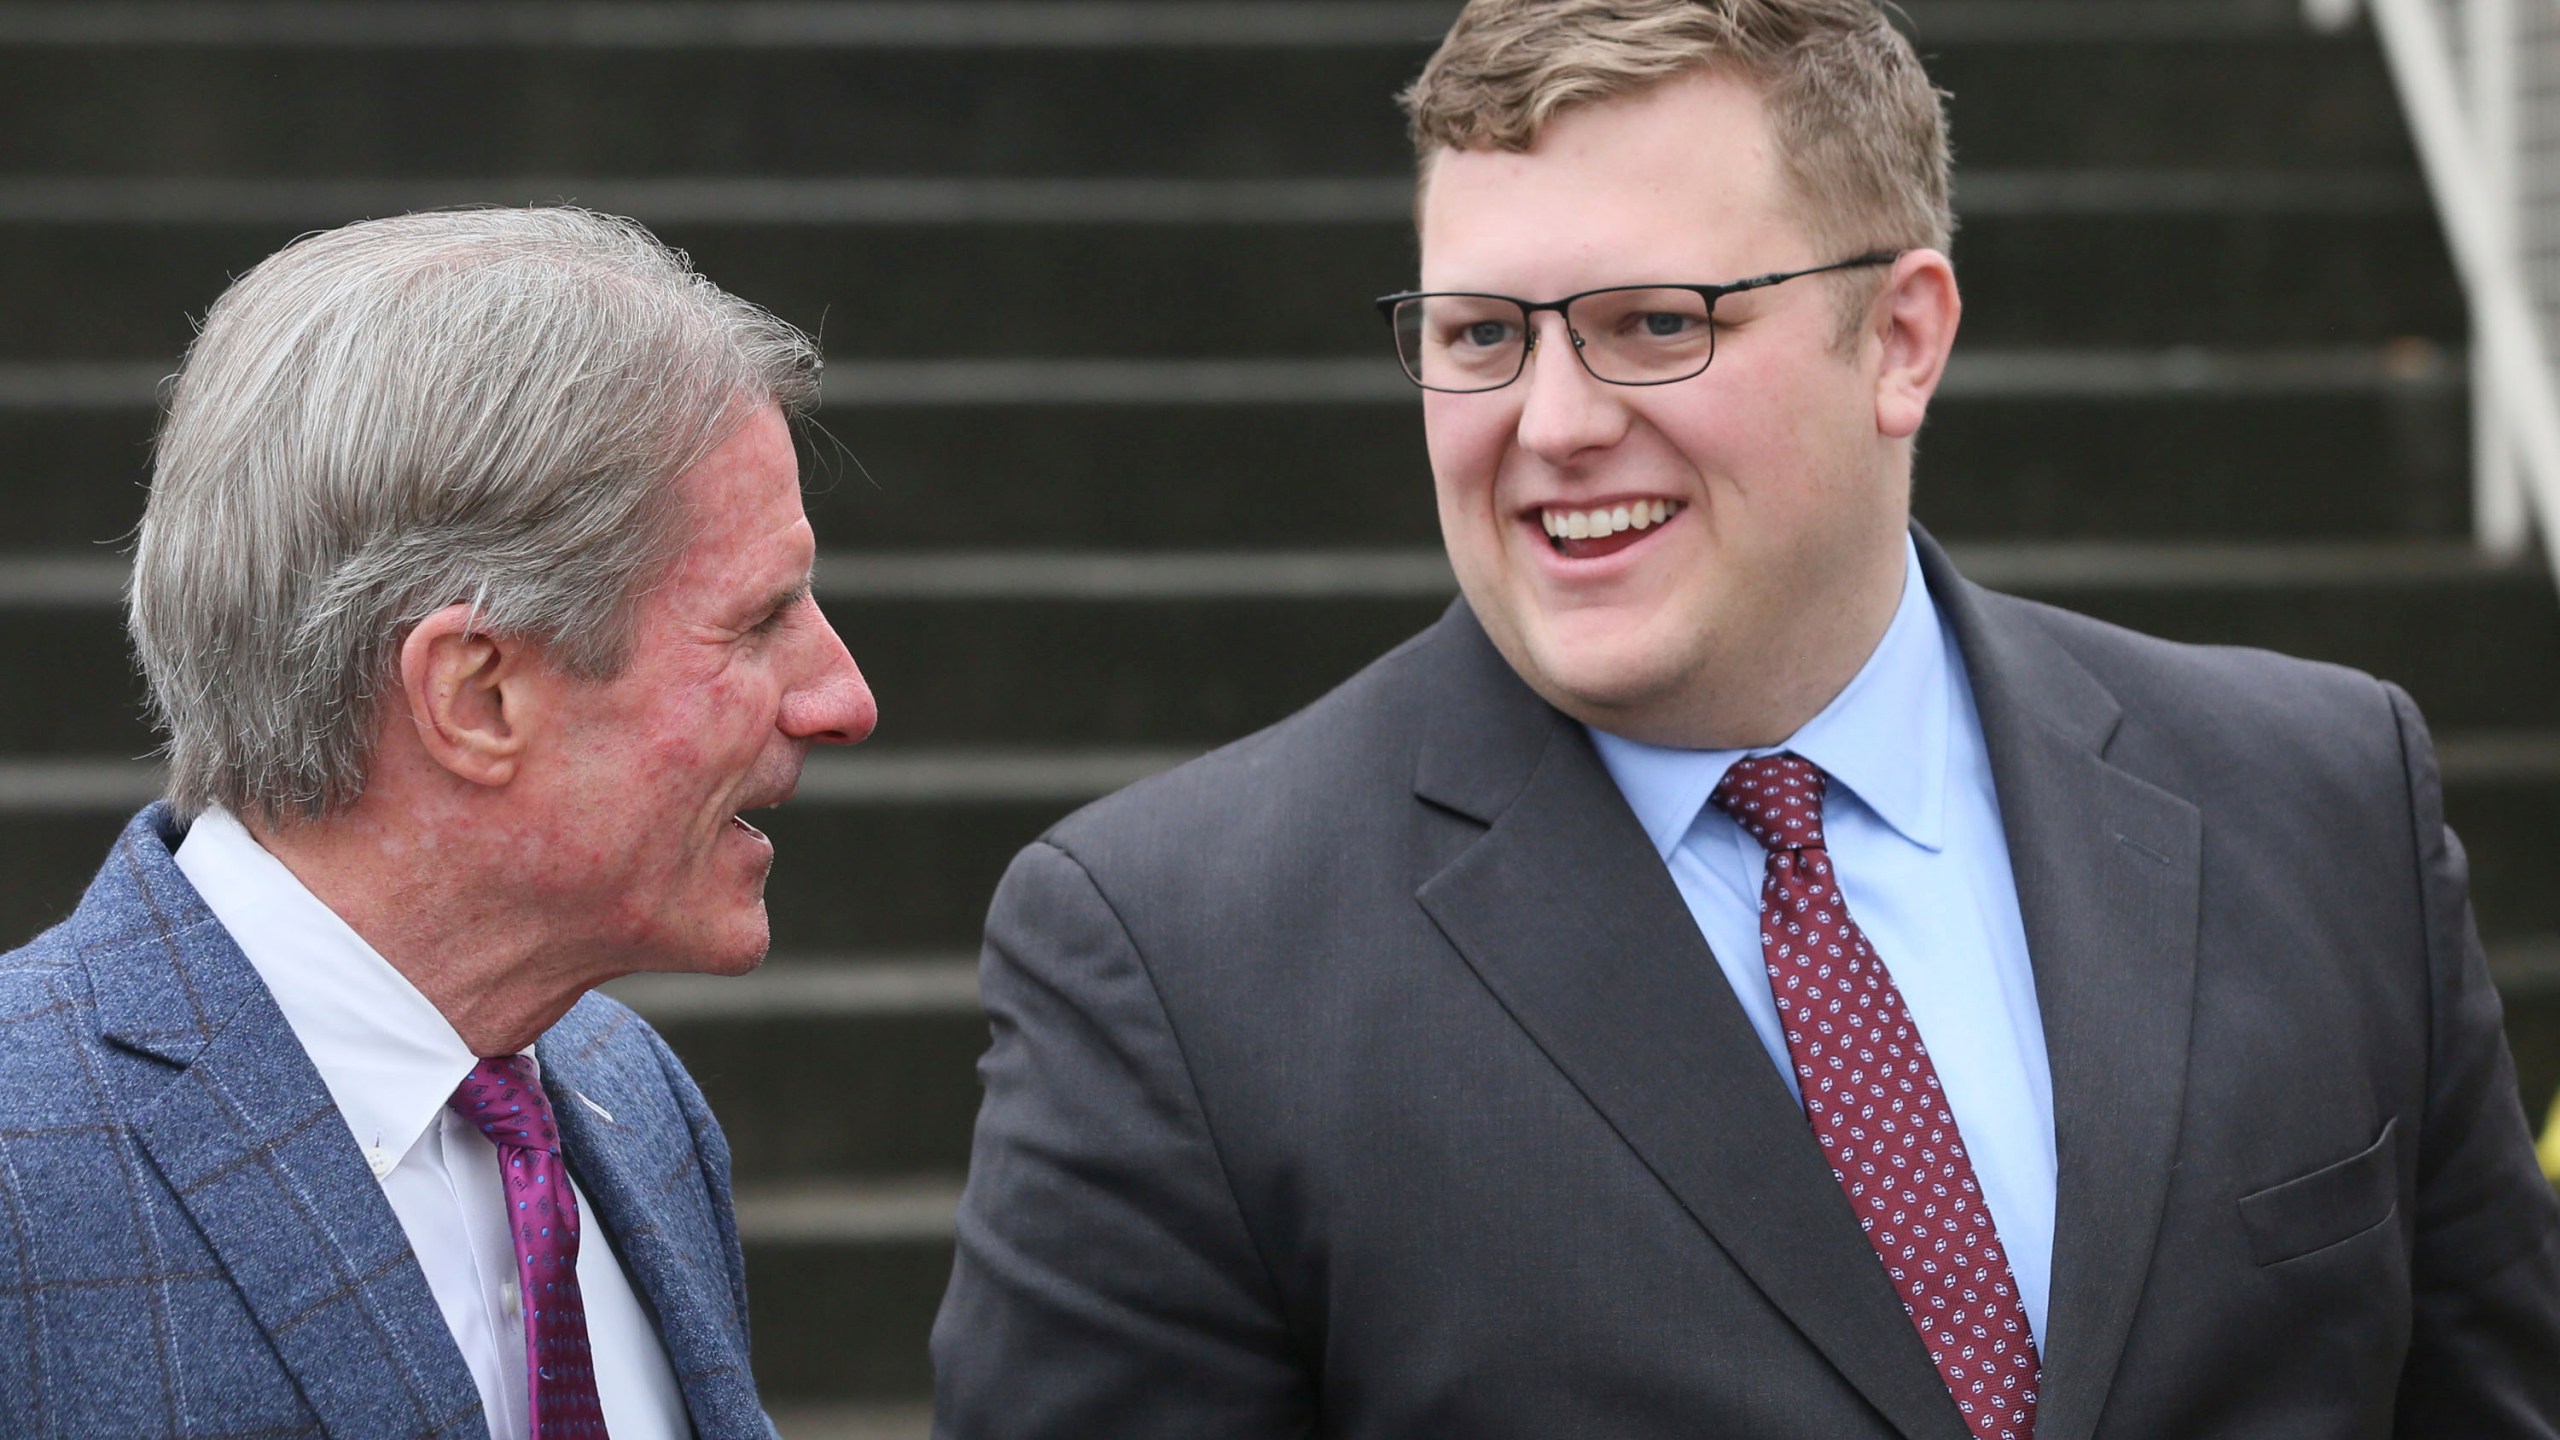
x=1691 y=563
x=733 y=675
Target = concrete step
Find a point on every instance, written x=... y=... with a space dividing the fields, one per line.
x=948 y=671
x=206 y=88
x=912 y=1420
x=158 y=111
x=1068 y=649
x=122 y=291
x=2268 y=94
x=900 y=853
x=844 y=1279
x=824 y=1067
x=909 y=869
x=2347 y=443
x=2477 y=643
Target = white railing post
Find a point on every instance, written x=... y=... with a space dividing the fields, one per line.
x=2506 y=325
x=2499 y=521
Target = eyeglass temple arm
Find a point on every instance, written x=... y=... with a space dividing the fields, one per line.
x=1763 y=282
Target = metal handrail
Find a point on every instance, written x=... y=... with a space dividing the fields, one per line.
x=2456 y=66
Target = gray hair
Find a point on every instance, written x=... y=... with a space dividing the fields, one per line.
x=487 y=407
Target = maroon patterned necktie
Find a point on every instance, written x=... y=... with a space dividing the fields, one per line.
x=1875 y=1103
x=503 y=1098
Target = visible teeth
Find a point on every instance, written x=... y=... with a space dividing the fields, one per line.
x=1600 y=524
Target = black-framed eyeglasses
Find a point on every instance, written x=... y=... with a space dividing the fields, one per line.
x=1463 y=343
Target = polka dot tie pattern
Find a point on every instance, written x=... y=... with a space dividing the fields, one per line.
x=503 y=1098
x=1873 y=1097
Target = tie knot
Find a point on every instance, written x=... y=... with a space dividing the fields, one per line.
x=501 y=1096
x=1777 y=798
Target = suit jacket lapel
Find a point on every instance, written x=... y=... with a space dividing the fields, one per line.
x=2108 y=869
x=249 y=1141
x=1567 y=915
x=640 y=1176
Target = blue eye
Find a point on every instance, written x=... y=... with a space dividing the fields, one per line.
x=1664 y=325
x=1487 y=333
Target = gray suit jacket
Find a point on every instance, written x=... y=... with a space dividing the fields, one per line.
x=192 y=1245
x=1370 y=1079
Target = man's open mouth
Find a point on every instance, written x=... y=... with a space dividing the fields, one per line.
x=1604 y=529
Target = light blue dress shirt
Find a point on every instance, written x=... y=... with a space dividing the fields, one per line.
x=1914 y=833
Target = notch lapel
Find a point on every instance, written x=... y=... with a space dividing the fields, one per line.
x=1567 y=915
x=253 y=1148
x=2108 y=870
x=641 y=1175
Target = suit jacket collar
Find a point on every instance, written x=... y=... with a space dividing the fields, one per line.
x=1564 y=911
x=1567 y=915
x=231 y=1111
x=644 y=1182
x=2109 y=869
x=1486 y=730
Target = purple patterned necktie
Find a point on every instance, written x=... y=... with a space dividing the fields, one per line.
x=503 y=1098
x=1873 y=1096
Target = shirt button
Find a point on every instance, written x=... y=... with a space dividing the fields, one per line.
x=508 y=1297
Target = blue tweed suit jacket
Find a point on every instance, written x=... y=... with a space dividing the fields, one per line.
x=192 y=1245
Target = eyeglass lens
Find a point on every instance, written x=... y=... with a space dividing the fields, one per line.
x=1480 y=342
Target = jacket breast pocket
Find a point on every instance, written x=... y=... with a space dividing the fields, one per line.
x=2333 y=1203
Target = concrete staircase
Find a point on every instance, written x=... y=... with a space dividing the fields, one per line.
x=1116 y=466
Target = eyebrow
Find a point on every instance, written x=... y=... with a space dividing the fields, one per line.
x=787 y=596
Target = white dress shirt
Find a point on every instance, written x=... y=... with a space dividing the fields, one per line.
x=1913 y=827
x=392 y=1061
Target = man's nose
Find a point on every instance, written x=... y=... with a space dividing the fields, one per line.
x=1564 y=411
x=831 y=704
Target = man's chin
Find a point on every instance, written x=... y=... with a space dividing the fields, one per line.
x=736 y=946
x=750 y=941
x=1600 y=680
x=740 y=963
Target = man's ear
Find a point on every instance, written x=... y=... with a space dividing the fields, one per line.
x=467 y=696
x=1915 y=319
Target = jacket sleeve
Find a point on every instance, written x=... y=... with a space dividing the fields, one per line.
x=2484 y=1345
x=1105 y=1283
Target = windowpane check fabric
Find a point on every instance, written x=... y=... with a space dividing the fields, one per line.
x=503 y=1097
x=1873 y=1098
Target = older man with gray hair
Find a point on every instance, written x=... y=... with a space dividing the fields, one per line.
x=473 y=594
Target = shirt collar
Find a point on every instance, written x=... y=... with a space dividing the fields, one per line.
x=1883 y=738
x=389 y=1058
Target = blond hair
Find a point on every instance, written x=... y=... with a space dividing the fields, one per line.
x=1861 y=132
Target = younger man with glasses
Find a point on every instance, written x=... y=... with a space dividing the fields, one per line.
x=1732 y=976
